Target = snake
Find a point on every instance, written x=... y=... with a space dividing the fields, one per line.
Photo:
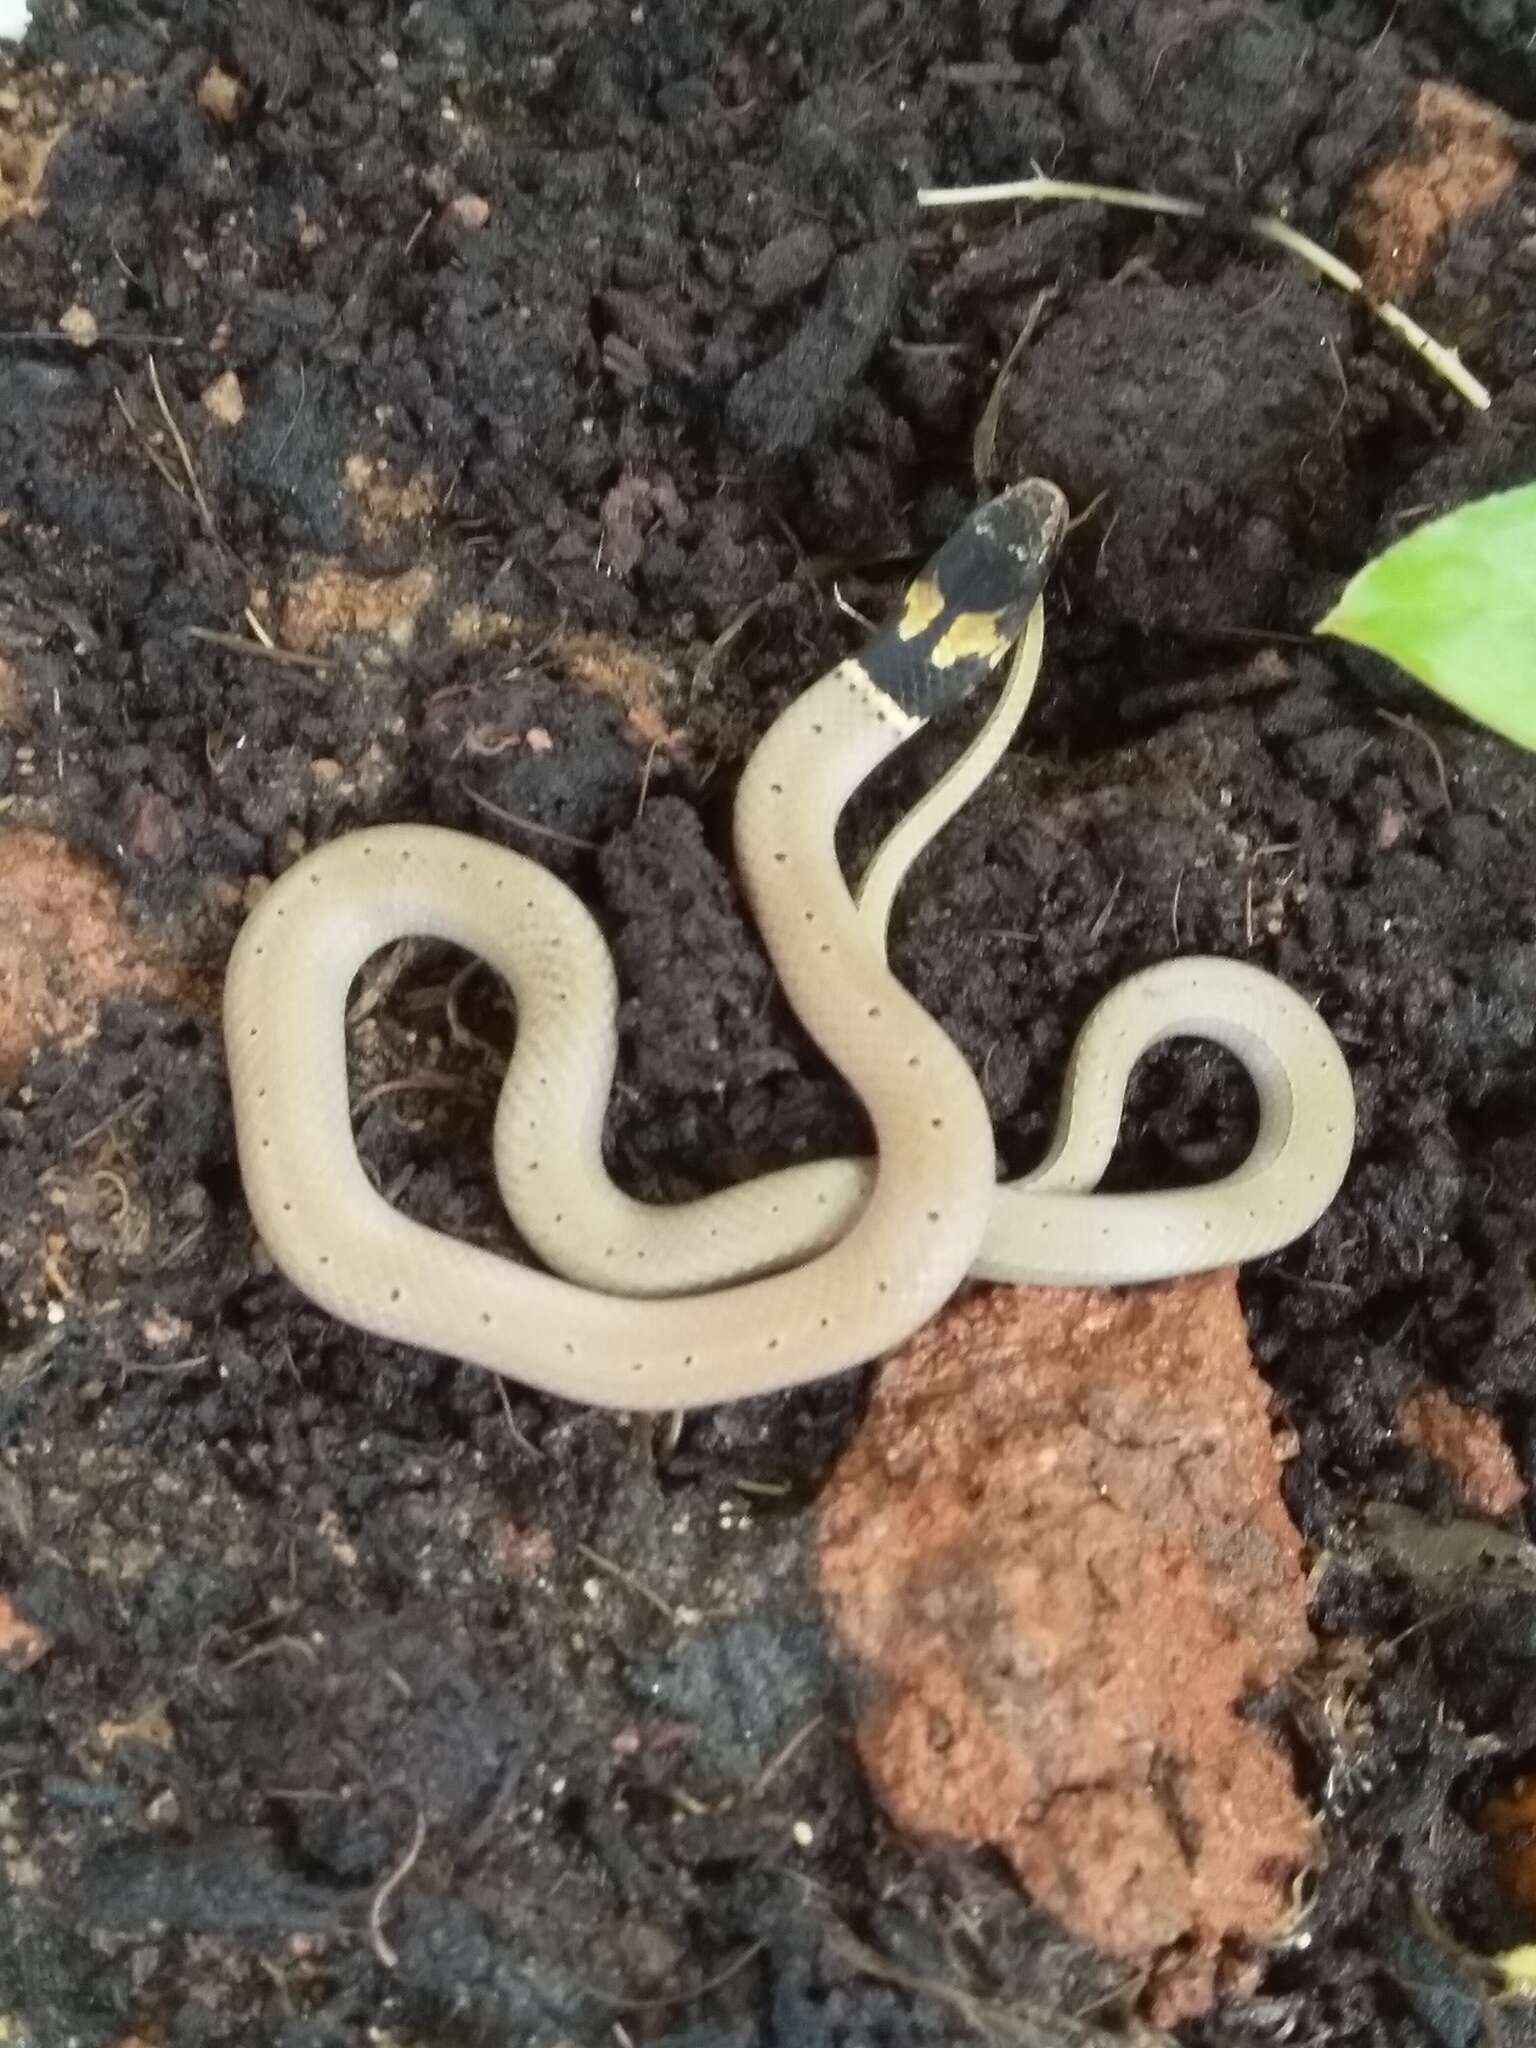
x=814 y=1268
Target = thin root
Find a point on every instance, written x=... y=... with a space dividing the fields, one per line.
x=180 y=439
x=527 y=824
x=257 y=650
x=1416 y=731
x=678 y=1616
x=388 y=1955
x=732 y=1969
x=984 y=444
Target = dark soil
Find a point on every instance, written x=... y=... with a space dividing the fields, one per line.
x=306 y=1591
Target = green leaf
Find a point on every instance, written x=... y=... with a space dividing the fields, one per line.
x=1455 y=605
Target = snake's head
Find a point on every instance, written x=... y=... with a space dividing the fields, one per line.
x=972 y=601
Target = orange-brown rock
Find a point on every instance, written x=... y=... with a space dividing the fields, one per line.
x=1059 y=1547
x=334 y=600
x=224 y=401
x=21 y=1644
x=1509 y=1821
x=27 y=138
x=1469 y=1443
x=469 y=211
x=634 y=678
x=65 y=945
x=386 y=501
x=221 y=95
x=38 y=107
x=1461 y=161
x=78 y=324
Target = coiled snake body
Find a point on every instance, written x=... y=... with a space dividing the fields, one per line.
x=803 y=1272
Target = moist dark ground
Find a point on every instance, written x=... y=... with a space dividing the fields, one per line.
x=358 y=1584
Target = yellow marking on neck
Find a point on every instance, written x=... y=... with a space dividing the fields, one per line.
x=974 y=635
x=924 y=603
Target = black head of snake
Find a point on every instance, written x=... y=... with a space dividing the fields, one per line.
x=970 y=604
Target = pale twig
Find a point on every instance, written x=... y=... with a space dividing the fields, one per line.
x=527 y=824
x=775 y=1764
x=427 y=1079
x=134 y=1103
x=678 y=1616
x=386 y=1954
x=1416 y=731
x=1081 y=518
x=719 y=644
x=851 y=611
x=180 y=439
x=171 y=1369
x=1015 y=2023
x=732 y=1969
x=645 y=779
x=123 y=334
x=518 y=1438
x=1057 y=189
x=256 y=650
x=380 y=982
x=275 y=1646
x=1096 y=930
x=168 y=474
x=463 y=1036
x=977 y=75
x=1443 y=361
x=984 y=442
x=287 y=434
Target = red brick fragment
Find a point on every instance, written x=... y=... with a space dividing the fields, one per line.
x=1059 y=1543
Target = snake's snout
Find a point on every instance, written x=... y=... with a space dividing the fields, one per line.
x=1028 y=520
x=1005 y=551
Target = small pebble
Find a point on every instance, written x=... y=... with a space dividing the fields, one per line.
x=220 y=95
x=79 y=325
x=224 y=401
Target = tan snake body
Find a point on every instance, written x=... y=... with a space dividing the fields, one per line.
x=799 y=1273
